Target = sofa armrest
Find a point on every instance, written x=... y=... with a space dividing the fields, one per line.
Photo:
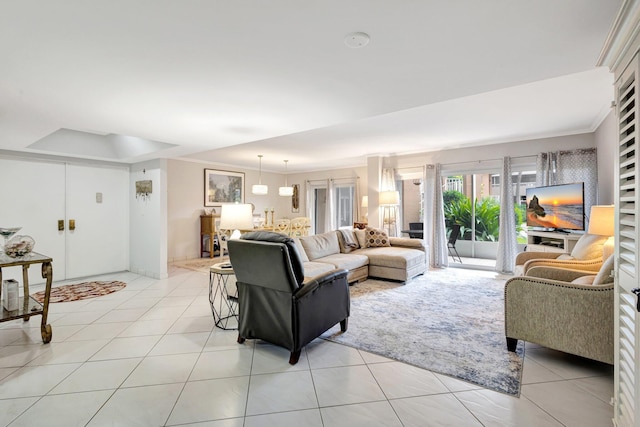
x=316 y=282
x=523 y=257
x=590 y=265
x=559 y=274
x=406 y=242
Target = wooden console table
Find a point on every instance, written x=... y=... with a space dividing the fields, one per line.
x=28 y=306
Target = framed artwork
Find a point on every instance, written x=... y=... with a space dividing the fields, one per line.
x=295 y=199
x=222 y=187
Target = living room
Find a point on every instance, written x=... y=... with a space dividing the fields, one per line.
x=155 y=338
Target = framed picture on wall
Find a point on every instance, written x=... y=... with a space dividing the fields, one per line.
x=222 y=187
x=295 y=199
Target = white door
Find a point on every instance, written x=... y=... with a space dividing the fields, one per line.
x=98 y=204
x=36 y=195
x=32 y=197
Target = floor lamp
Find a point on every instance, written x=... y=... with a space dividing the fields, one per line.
x=389 y=201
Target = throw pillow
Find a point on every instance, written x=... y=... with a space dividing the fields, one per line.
x=376 y=237
x=360 y=237
x=589 y=246
x=604 y=274
x=584 y=280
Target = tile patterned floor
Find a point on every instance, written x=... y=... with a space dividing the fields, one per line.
x=149 y=355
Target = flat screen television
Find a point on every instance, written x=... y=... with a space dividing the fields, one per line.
x=556 y=207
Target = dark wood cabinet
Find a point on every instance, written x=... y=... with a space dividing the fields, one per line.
x=208 y=237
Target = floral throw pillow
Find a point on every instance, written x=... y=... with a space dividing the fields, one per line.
x=376 y=237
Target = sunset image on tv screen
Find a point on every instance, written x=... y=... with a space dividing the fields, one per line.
x=558 y=207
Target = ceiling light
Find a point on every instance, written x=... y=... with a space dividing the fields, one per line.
x=286 y=190
x=356 y=40
x=259 y=189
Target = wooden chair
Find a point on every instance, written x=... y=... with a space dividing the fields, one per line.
x=282 y=225
x=300 y=226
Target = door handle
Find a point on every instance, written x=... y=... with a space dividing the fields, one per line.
x=61 y=225
x=72 y=224
x=637 y=292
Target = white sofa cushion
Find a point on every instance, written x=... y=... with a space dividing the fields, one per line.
x=320 y=245
x=589 y=246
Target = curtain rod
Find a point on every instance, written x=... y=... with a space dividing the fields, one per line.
x=487 y=160
x=332 y=179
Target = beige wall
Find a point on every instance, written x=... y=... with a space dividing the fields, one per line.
x=607 y=142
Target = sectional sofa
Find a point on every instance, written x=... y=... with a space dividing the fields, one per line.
x=363 y=253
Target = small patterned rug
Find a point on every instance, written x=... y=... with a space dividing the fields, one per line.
x=79 y=291
x=449 y=321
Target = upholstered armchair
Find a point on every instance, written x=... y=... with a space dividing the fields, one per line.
x=586 y=255
x=567 y=310
x=274 y=303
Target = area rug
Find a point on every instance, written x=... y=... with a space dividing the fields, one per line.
x=80 y=291
x=449 y=321
x=200 y=264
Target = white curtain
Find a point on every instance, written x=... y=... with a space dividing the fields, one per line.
x=330 y=209
x=435 y=230
x=567 y=167
x=508 y=240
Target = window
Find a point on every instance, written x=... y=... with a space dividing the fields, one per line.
x=344 y=202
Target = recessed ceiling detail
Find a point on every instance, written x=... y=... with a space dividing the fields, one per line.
x=109 y=147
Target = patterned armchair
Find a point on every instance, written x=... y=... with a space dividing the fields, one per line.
x=563 y=309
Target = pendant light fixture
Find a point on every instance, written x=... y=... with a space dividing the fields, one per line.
x=286 y=190
x=260 y=189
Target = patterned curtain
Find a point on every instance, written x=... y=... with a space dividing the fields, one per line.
x=507 y=240
x=435 y=230
x=567 y=167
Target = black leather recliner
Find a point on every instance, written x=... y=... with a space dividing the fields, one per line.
x=274 y=304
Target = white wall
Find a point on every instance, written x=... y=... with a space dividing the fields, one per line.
x=606 y=137
x=148 y=221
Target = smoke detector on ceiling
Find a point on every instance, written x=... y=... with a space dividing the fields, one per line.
x=356 y=40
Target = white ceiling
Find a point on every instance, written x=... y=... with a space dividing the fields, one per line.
x=224 y=81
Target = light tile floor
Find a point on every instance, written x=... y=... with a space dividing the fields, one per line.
x=149 y=355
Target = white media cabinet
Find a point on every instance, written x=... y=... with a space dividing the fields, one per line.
x=551 y=241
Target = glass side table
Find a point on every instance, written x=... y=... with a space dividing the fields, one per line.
x=223 y=305
x=27 y=306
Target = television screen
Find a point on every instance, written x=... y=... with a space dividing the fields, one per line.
x=559 y=207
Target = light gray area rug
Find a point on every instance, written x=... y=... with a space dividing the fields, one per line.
x=449 y=321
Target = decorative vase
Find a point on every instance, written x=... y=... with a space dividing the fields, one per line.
x=19 y=246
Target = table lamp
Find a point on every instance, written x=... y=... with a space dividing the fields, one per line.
x=601 y=222
x=236 y=217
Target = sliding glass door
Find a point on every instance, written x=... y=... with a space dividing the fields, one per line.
x=333 y=205
x=472 y=202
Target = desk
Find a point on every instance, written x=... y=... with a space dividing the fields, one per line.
x=27 y=306
x=223 y=305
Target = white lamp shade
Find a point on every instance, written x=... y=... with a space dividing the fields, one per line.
x=365 y=201
x=389 y=198
x=285 y=191
x=259 y=189
x=236 y=217
x=601 y=220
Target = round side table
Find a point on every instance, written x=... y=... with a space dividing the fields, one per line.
x=223 y=306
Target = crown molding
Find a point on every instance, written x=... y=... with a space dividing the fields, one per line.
x=622 y=35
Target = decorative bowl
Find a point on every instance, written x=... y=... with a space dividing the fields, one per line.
x=19 y=246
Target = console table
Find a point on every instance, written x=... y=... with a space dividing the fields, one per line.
x=28 y=306
x=550 y=241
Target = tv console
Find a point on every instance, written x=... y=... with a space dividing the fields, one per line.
x=551 y=241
